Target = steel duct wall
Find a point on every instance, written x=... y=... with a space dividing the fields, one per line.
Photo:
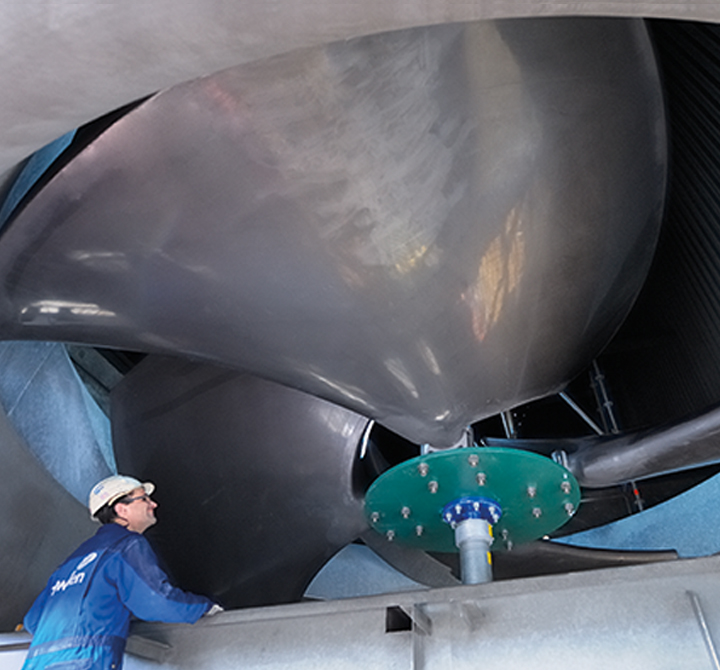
x=663 y=364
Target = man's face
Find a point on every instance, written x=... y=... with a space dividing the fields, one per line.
x=139 y=512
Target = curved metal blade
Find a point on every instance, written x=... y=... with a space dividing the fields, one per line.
x=525 y=560
x=608 y=460
x=551 y=558
x=414 y=563
x=254 y=480
x=683 y=445
x=426 y=226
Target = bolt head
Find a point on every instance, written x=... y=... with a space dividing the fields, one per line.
x=390 y=535
x=537 y=512
x=419 y=530
x=473 y=460
x=566 y=486
x=531 y=491
x=433 y=486
x=405 y=511
x=375 y=517
x=481 y=478
x=423 y=469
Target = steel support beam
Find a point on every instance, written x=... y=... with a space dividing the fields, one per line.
x=664 y=615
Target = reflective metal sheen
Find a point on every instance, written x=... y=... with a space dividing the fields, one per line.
x=427 y=226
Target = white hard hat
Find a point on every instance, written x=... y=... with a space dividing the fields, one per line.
x=110 y=489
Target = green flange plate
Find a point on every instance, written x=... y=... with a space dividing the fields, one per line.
x=536 y=495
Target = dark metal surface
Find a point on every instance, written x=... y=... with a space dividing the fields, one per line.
x=426 y=227
x=553 y=558
x=663 y=364
x=254 y=480
x=41 y=523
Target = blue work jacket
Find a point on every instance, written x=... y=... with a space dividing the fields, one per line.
x=82 y=617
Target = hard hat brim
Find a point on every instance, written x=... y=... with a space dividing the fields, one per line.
x=121 y=485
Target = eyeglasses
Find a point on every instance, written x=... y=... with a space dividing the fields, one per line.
x=144 y=497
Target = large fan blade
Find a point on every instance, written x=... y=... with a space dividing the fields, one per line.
x=426 y=226
x=254 y=480
x=683 y=445
x=608 y=460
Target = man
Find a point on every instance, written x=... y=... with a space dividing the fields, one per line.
x=81 y=619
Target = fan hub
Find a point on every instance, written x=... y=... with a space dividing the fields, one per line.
x=523 y=496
